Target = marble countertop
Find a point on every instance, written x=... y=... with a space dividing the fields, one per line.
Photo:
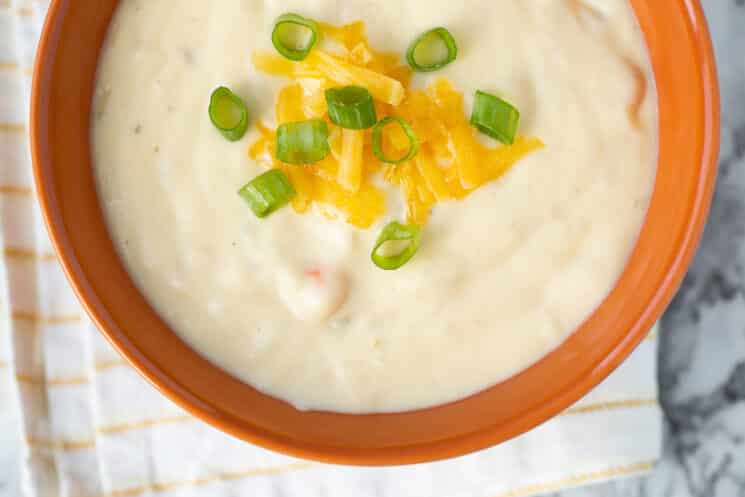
x=702 y=336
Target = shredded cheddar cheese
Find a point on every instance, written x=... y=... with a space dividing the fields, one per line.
x=451 y=162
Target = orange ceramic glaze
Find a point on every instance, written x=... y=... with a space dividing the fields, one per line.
x=681 y=55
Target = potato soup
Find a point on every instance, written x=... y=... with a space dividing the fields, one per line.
x=435 y=219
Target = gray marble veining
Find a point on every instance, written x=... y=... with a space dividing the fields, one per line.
x=702 y=338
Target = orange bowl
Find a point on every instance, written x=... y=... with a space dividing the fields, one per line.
x=681 y=54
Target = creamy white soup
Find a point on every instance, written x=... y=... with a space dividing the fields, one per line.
x=291 y=303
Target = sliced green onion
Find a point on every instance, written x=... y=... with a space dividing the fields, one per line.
x=432 y=50
x=351 y=107
x=267 y=192
x=377 y=140
x=228 y=113
x=303 y=142
x=405 y=239
x=495 y=117
x=294 y=36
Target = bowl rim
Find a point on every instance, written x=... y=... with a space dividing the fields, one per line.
x=435 y=449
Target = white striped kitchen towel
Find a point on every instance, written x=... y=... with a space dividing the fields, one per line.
x=76 y=421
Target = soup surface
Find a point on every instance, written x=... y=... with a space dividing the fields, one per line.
x=291 y=303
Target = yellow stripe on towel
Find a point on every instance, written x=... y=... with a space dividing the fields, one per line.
x=66 y=445
x=30 y=255
x=199 y=482
x=615 y=404
x=12 y=128
x=40 y=381
x=580 y=479
x=16 y=190
x=46 y=320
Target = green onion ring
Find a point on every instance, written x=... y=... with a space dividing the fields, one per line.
x=351 y=107
x=396 y=231
x=267 y=192
x=495 y=117
x=377 y=140
x=285 y=46
x=303 y=142
x=228 y=113
x=442 y=37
